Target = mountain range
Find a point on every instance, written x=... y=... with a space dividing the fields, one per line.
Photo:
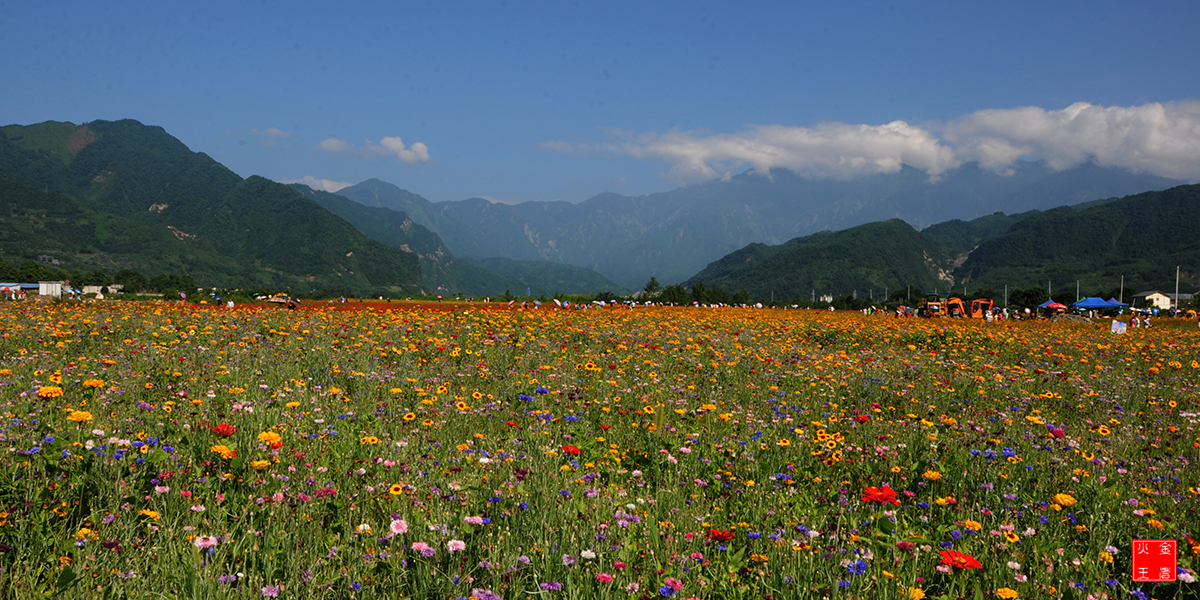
x=673 y=235
x=1138 y=239
x=122 y=195
x=117 y=195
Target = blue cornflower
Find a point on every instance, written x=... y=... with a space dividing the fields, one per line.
x=857 y=567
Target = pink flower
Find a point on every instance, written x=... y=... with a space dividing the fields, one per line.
x=674 y=583
x=473 y=520
x=604 y=577
x=456 y=545
x=205 y=541
x=398 y=527
x=618 y=565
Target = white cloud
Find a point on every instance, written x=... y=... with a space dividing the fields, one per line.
x=327 y=185
x=1163 y=139
x=394 y=146
x=270 y=132
x=388 y=146
x=836 y=150
x=334 y=145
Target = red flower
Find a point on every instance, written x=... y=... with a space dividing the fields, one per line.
x=718 y=535
x=510 y=423
x=572 y=450
x=884 y=495
x=224 y=430
x=862 y=418
x=605 y=426
x=954 y=558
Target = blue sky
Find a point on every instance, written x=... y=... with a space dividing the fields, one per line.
x=562 y=100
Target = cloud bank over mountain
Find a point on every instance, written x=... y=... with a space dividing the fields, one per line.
x=1157 y=138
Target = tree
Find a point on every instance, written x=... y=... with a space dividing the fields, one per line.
x=699 y=292
x=131 y=280
x=674 y=294
x=653 y=286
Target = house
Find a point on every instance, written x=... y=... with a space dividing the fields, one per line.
x=50 y=288
x=1157 y=299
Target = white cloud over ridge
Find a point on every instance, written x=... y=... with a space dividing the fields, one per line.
x=1163 y=139
x=388 y=146
x=327 y=185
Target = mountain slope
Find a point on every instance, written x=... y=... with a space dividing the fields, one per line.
x=866 y=259
x=136 y=197
x=447 y=274
x=1142 y=237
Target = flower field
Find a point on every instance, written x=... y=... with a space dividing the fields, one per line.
x=182 y=451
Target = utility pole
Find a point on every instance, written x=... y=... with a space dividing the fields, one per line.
x=1049 y=292
x=1006 y=294
x=1077 y=290
x=1121 y=297
x=1176 y=287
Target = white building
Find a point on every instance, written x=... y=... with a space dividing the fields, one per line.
x=50 y=288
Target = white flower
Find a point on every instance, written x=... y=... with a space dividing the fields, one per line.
x=1016 y=566
x=587 y=554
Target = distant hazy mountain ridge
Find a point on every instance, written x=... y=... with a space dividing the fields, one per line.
x=673 y=235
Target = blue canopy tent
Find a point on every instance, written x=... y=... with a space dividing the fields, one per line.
x=1092 y=303
x=1113 y=302
x=1052 y=303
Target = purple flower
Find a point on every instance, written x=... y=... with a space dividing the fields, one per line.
x=551 y=585
x=483 y=594
x=568 y=560
x=270 y=591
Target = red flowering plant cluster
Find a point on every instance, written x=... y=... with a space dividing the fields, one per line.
x=720 y=535
x=883 y=495
x=572 y=450
x=224 y=430
x=954 y=558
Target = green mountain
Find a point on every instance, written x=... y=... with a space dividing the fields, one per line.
x=674 y=234
x=1141 y=237
x=116 y=195
x=447 y=274
x=868 y=259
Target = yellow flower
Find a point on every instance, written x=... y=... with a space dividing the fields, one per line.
x=49 y=391
x=932 y=475
x=396 y=489
x=409 y=416
x=149 y=513
x=973 y=525
x=1065 y=500
x=1011 y=537
x=1154 y=524
x=225 y=451
x=1006 y=593
x=270 y=438
x=80 y=416
x=93 y=383
x=292 y=404
x=370 y=440
x=648 y=410
x=259 y=465
x=914 y=593
x=784 y=443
